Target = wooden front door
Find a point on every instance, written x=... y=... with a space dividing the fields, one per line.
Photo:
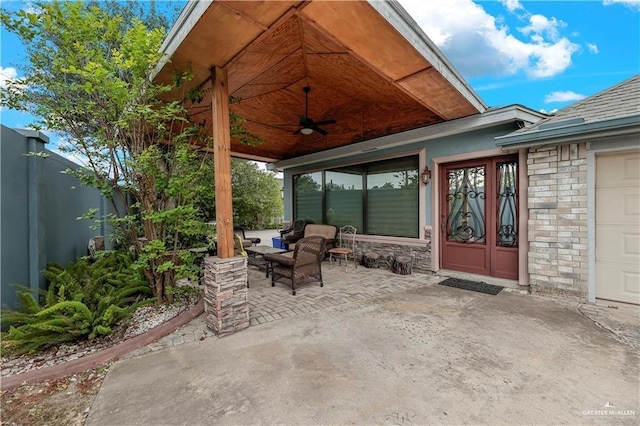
x=479 y=216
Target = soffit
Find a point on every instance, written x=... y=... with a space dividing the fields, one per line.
x=362 y=70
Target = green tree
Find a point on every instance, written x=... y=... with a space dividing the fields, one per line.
x=89 y=79
x=256 y=195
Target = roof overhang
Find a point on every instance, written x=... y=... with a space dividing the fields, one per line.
x=573 y=131
x=491 y=118
x=368 y=64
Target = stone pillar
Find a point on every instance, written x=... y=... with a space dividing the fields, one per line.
x=226 y=301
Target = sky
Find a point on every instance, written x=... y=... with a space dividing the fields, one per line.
x=541 y=54
x=544 y=55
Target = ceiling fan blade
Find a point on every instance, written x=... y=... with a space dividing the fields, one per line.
x=297 y=131
x=319 y=130
x=324 y=122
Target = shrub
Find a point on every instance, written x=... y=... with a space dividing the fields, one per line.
x=83 y=301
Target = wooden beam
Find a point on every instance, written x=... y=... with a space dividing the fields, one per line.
x=222 y=162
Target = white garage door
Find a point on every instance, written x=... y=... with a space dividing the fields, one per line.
x=618 y=227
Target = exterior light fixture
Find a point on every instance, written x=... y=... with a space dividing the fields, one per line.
x=426 y=175
x=306 y=130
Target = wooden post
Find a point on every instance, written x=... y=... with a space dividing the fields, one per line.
x=222 y=162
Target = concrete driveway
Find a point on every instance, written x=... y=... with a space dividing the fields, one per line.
x=426 y=355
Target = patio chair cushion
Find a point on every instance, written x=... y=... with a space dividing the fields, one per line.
x=328 y=232
x=281 y=258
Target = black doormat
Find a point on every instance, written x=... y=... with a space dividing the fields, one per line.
x=473 y=286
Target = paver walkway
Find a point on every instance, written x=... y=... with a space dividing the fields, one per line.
x=267 y=304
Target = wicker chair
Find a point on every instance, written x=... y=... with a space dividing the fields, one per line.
x=294 y=232
x=240 y=231
x=302 y=265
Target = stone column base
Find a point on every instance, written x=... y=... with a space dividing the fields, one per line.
x=226 y=295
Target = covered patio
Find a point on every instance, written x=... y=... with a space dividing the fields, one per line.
x=370 y=70
x=309 y=78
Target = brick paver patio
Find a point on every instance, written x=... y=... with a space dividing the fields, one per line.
x=267 y=304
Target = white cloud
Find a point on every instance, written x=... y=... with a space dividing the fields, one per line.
x=478 y=44
x=540 y=25
x=633 y=4
x=593 y=48
x=511 y=5
x=553 y=111
x=559 y=96
x=7 y=74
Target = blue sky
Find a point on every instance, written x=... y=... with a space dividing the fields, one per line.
x=541 y=54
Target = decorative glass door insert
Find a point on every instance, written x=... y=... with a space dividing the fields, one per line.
x=507 y=224
x=466 y=202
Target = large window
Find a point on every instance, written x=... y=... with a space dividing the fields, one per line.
x=378 y=198
x=308 y=196
x=344 y=197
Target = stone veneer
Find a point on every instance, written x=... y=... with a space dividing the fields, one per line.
x=421 y=255
x=557 y=225
x=226 y=295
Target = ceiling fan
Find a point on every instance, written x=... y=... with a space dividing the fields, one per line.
x=307 y=125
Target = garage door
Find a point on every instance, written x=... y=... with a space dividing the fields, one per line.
x=618 y=227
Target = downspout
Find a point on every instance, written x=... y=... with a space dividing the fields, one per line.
x=36 y=232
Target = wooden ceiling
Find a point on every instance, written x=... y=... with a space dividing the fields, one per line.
x=363 y=73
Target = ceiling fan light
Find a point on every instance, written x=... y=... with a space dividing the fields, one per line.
x=306 y=130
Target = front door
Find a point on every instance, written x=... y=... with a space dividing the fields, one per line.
x=479 y=216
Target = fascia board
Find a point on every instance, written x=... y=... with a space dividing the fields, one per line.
x=613 y=127
x=188 y=18
x=462 y=125
x=395 y=14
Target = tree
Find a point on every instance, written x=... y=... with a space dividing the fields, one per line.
x=257 y=198
x=256 y=195
x=89 y=79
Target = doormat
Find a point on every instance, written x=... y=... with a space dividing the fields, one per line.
x=472 y=285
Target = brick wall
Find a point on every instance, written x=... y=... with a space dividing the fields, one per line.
x=557 y=203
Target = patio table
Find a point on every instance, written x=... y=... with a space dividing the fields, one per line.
x=255 y=256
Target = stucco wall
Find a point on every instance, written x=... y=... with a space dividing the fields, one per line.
x=557 y=203
x=39 y=206
x=14 y=222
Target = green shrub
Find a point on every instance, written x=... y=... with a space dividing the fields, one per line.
x=83 y=301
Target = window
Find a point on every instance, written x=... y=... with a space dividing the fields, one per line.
x=379 y=198
x=392 y=198
x=343 y=191
x=308 y=196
